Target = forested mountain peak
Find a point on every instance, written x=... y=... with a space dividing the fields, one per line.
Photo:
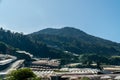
x=65 y=31
x=76 y=41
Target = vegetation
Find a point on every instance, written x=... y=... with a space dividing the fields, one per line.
x=96 y=61
x=115 y=60
x=68 y=44
x=22 y=74
x=76 y=41
x=18 y=41
x=23 y=42
x=5 y=49
x=89 y=48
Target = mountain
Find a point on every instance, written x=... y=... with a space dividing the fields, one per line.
x=76 y=41
x=18 y=41
x=66 y=31
x=67 y=44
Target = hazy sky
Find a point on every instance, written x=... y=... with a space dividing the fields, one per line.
x=97 y=17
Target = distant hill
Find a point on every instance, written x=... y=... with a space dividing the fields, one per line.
x=66 y=31
x=76 y=41
x=19 y=41
x=67 y=44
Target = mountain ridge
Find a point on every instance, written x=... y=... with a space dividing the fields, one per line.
x=68 y=36
x=53 y=31
x=68 y=45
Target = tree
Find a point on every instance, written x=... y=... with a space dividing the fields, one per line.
x=22 y=74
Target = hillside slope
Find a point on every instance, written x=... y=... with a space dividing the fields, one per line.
x=6 y=49
x=23 y=42
x=76 y=41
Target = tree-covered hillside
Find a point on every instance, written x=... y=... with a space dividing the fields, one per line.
x=76 y=41
x=67 y=44
x=24 y=42
x=5 y=49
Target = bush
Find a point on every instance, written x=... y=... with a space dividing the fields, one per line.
x=22 y=74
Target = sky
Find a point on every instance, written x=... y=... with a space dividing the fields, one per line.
x=100 y=18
